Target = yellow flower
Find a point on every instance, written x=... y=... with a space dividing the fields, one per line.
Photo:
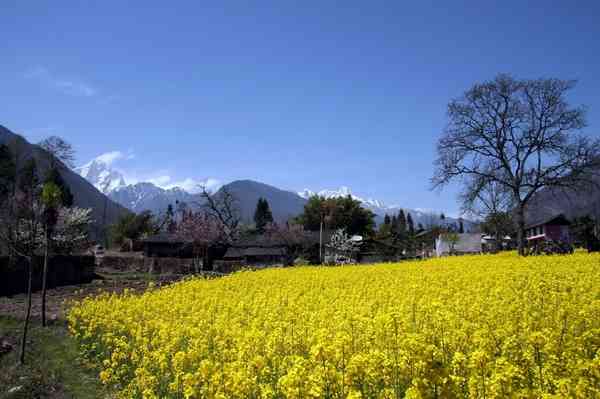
x=492 y=325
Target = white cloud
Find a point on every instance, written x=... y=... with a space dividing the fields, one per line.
x=110 y=157
x=160 y=181
x=194 y=186
x=73 y=87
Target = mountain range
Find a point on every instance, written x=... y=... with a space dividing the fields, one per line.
x=284 y=204
x=85 y=195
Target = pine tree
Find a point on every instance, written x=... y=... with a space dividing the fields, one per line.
x=410 y=224
x=461 y=226
x=394 y=223
x=387 y=220
x=262 y=215
x=401 y=229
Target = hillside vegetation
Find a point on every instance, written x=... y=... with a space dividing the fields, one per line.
x=479 y=326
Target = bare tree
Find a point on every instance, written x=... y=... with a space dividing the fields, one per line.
x=222 y=206
x=520 y=134
x=60 y=149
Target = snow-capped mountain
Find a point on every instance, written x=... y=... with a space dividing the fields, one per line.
x=425 y=217
x=377 y=206
x=147 y=196
x=136 y=197
x=101 y=175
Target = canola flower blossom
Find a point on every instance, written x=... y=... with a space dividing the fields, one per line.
x=487 y=326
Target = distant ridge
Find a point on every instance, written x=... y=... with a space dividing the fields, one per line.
x=85 y=195
x=283 y=204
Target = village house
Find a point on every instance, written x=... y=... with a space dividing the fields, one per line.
x=555 y=229
x=258 y=250
x=166 y=245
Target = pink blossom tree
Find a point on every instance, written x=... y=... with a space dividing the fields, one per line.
x=202 y=231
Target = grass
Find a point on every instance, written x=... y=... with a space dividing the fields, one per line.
x=52 y=368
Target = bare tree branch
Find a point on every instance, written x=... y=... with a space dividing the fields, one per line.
x=514 y=137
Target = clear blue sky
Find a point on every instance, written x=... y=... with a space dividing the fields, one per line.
x=294 y=94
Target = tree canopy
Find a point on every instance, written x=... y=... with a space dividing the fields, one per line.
x=337 y=213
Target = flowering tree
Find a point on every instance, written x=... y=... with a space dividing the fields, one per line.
x=202 y=230
x=344 y=246
x=291 y=236
x=71 y=230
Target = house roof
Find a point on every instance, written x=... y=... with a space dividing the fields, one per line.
x=558 y=219
x=163 y=238
x=234 y=252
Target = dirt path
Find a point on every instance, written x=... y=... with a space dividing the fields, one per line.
x=57 y=299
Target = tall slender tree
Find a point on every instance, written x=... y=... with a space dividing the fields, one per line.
x=51 y=201
x=401 y=223
x=410 y=224
x=262 y=215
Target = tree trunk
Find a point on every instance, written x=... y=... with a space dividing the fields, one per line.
x=44 y=278
x=521 y=229
x=28 y=313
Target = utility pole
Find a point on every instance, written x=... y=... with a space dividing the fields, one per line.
x=321 y=240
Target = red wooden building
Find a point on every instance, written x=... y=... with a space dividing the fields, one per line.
x=555 y=228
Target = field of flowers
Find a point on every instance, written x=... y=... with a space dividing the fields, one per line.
x=485 y=326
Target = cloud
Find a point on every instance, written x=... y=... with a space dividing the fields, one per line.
x=110 y=157
x=194 y=186
x=160 y=181
x=73 y=87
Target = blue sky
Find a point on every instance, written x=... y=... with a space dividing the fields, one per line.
x=295 y=94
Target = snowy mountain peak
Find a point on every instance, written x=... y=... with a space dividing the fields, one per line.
x=343 y=191
x=101 y=175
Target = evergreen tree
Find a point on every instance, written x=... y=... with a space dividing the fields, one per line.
x=420 y=227
x=394 y=223
x=410 y=224
x=7 y=171
x=170 y=223
x=401 y=221
x=262 y=215
x=53 y=176
x=387 y=220
x=461 y=226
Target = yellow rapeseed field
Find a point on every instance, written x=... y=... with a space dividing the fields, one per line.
x=489 y=326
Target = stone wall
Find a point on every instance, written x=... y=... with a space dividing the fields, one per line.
x=62 y=270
